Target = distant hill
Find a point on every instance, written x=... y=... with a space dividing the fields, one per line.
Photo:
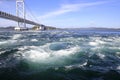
x=7 y=28
x=45 y=28
x=93 y=28
x=54 y=28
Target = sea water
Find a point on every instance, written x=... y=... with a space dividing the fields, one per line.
x=60 y=55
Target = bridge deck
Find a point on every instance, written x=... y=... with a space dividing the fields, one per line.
x=18 y=19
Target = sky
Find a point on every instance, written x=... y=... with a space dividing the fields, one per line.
x=67 y=13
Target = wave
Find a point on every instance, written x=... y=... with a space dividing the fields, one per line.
x=44 y=54
x=73 y=53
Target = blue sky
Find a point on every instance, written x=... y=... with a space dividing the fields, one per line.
x=68 y=13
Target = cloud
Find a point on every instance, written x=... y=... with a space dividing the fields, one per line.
x=66 y=8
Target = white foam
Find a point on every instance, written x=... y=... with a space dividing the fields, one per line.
x=1 y=52
x=72 y=39
x=96 y=42
x=100 y=42
x=66 y=52
x=102 y=56
x=3 y=42
x=118 y=54
x=37 y=55
x=7 y=42
x=17 y=36
x=75 y=66
x=81 y=65
x=34 y=40
x=44 y=54
x=23 y=48
x=93 y=43
x=118 y=68
x=69 y=67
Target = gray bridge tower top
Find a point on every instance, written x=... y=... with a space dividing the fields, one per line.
x=20 y=12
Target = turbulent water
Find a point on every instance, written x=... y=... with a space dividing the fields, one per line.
x=60 y=55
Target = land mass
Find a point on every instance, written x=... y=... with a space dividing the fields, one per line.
x=54 y=28
x=33 y=28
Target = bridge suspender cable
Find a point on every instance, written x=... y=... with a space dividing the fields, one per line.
x=31 y=13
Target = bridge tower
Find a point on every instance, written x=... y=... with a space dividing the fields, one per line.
x=20 y=12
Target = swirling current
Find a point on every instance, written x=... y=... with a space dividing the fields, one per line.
x=60 y=55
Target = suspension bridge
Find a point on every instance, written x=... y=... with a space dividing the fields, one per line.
x=20 y=17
